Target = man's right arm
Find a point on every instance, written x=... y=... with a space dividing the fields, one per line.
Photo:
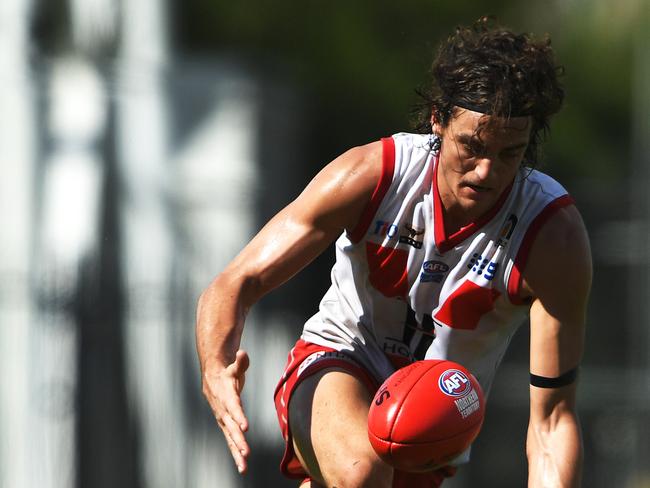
x=332 y=202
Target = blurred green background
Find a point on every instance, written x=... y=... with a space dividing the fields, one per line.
x=357 y=63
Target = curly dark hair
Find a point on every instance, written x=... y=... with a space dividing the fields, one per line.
x=490 y=69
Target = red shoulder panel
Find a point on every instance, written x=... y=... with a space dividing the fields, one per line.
x=514 y=281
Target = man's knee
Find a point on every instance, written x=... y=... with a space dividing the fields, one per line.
x=347 y=468
x=361 y=473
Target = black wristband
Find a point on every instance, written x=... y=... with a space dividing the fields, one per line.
x=562 y=380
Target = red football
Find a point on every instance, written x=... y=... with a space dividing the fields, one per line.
x=425 y=414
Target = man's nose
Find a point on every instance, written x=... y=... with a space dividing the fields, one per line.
x=483 y=168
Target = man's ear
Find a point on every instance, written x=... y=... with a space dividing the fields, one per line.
x=436 y=126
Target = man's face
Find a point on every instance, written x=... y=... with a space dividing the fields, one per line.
x=479 y=158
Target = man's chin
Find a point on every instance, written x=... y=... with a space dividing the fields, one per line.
x=475 y=207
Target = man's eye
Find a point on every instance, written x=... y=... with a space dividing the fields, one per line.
x=474 y=149
x=478 y=149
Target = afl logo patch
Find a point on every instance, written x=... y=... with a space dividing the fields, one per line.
x=433 y=271
x=435 y=267
x=454 y=383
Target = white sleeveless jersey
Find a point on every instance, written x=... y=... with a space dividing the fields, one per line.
x=402 y=290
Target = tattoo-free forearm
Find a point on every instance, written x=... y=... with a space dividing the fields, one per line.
x=554 y=449
x=221 y=313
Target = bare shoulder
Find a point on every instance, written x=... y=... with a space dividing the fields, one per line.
x=342 y=189
x=560 y=258
x=358 y=165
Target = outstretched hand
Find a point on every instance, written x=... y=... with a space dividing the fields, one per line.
x=222 y=388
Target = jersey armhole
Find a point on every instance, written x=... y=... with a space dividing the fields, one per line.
x=386 y=178
x=515 y=278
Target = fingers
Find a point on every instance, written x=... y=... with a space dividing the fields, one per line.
x=236 y=442
x=222 y=390
x=230 y=417
x=235 y=411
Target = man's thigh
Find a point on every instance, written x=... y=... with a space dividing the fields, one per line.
x=328 y=415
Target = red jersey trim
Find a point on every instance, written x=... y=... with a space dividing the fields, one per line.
x=514 y=281
x=386 y=178
x=443 y=242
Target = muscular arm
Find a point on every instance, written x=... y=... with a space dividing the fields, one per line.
x=558 y=277
x=332 y=202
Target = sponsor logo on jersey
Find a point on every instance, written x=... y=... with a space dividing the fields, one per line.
x=507 y=230
x=483 y=266
x=410 y=239
x=396 y=347
x=383 y=228
x=454 y=383
x=433 y=271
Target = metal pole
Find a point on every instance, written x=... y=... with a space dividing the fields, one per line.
x=153 y=363
x=17 y=160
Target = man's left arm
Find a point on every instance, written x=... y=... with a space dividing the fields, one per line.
x=558 y=278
